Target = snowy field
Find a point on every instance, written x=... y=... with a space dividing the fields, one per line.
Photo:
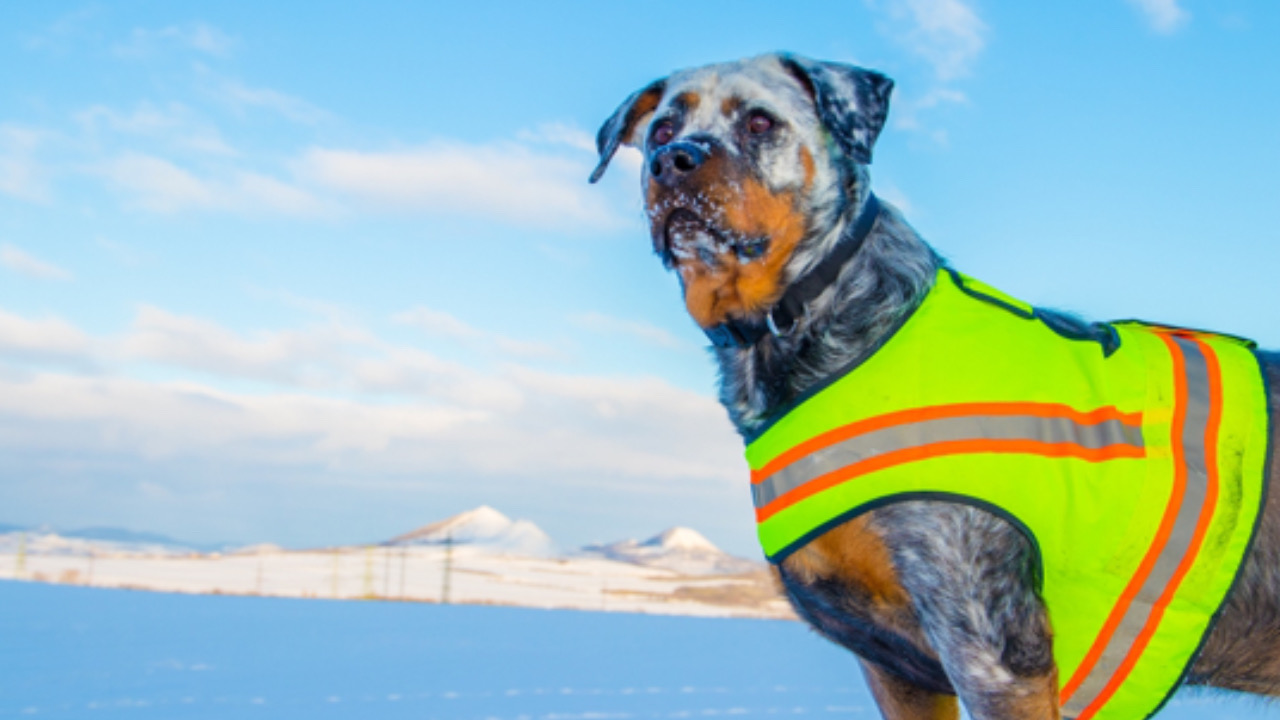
x=417 y=574
x=75 y=652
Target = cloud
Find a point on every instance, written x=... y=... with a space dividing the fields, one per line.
x=200 y=37
x=24 y=263
x=560 y=134
x=948 y=34
x=158 y=185
x=442 y=324
x=48 y=338
x=909 y=111
x=173 y=123
x=505 y=180
x=1163 y=16
x=334 y=356
x=643 y=331
x=298 y=357
x=21 y=176
x=241 y=98
x=338 y=398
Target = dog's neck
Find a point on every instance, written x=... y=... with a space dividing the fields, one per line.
x=875 y=291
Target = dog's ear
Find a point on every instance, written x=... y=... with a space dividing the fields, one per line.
x=621 y=125
x=852 y=102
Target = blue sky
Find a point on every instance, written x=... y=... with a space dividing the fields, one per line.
x=318 y=273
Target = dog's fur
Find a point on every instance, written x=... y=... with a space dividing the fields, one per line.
x=936 y=599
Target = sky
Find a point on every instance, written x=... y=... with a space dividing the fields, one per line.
x=320 y=273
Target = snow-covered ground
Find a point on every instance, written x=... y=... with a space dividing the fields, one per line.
x=478 y=557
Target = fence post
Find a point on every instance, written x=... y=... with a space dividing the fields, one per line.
x=21 y=568
x=368 y=572
x=448 y=567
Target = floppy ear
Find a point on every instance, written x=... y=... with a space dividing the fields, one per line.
x=852 y=102
x=619 y=127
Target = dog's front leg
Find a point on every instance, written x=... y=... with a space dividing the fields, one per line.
x=971 y=577
x=900 y=700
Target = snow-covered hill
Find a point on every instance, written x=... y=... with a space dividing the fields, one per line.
x=681 y=549
x=479 y=556
x=45 y=541
x=486 y=528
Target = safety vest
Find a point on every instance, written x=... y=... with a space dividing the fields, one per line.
x=1131 y=456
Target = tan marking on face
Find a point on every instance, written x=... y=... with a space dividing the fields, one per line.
x=688 y=99
x=737 y=288
x=806 y=159
x=730 y=105
x=633 y=134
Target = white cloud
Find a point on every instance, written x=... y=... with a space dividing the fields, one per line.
x=339 y=398
x=948 y=34
x=334 y=356
x=501 y=180
x=241 y=97
x=21 y=175
x=158 y=185
x=442 y=324
x=909 y=111
x=1162 y=16
x=561 y=134
x=644 y=331
x=301 y=357
x=895 y=197
x=24 y=263
x=200 y=37
x=46 y=338
x=173 y=123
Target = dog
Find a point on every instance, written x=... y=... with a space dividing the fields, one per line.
x=753 y=173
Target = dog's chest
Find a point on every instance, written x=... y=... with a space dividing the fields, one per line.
x=844 y=585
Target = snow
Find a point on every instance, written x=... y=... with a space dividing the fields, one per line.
x=488 y=559
x=683 y=539
x=677 y=549
x=483 y=526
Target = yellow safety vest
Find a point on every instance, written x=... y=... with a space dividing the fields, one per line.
x=1133 y=458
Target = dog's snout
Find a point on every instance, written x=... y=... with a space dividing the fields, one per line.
x=671 y=163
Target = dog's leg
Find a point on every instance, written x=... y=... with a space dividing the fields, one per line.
x=971 y=577
x=900 y=700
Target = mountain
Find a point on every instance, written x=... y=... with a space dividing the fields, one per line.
x=119 y=535
x=110 y=539
x=486 y=528
x=678 y=548
x=44 y=541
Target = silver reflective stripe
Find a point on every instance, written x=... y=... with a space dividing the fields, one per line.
x=1193 y=431
x=927 y=432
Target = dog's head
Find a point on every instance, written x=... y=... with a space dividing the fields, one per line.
x=743 y=163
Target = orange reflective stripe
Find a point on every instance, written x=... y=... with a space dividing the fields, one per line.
x=935 y=412
x=1157 y=545
x=1202 y=526
x=943 y=449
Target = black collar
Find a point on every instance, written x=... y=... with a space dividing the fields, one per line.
x=781 y=318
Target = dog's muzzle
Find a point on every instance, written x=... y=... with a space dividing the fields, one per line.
x=671 y=164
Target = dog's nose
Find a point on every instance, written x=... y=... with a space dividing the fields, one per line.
x=671 y=163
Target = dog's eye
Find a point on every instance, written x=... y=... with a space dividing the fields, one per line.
x=663 y=132
x=759 y=123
